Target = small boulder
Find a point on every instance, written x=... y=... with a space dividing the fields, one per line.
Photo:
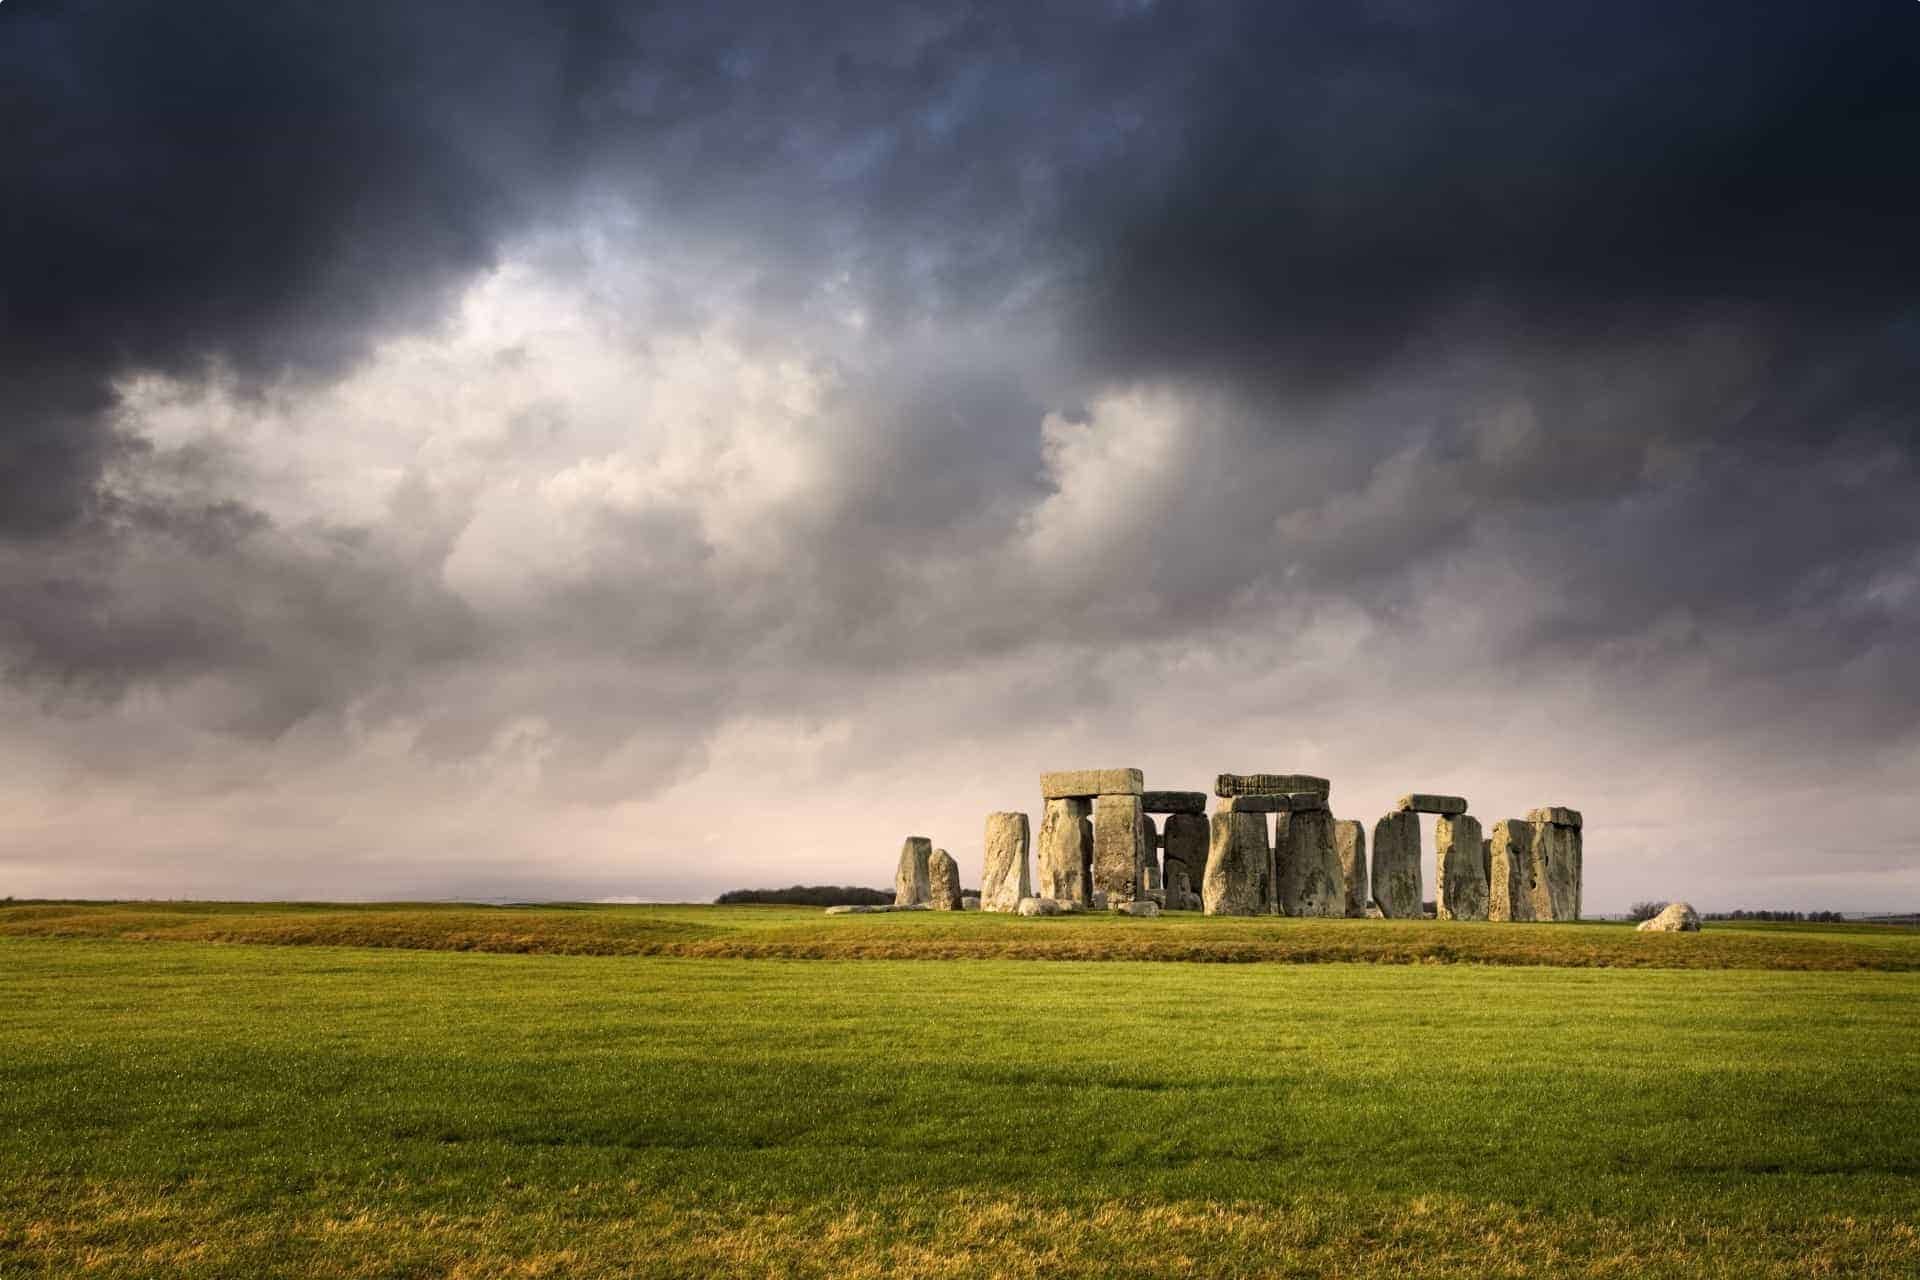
x=1142 y=907
x=1038 y=907
x=1679 y=917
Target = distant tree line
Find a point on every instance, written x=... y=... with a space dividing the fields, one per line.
x=809 y=895
x=1787 y=917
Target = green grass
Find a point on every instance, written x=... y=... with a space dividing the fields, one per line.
x=804 y=933
x=199 y=1110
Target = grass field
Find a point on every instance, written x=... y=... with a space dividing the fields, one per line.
x=413 y=1109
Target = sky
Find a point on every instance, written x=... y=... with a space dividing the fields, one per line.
x=575 y=450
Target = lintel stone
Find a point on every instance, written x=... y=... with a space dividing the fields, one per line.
x=1446 y=806
x=1307 y=802
x=1173 y=801
x=1558 y=815
x=1071 y=784
x=1269 y=784
x=1255 y=804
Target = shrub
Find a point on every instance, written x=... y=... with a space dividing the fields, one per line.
x=809 y=895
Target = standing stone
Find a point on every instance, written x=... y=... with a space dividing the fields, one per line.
x=1396 y=865
x=1309 y=866
x=1118 y=860
x=1555 y=881
x=1179 y=887
x=1350 y=843
x=1459 y=876
x=1066 y=851
x=1185 y=839
x=1005 y=879
x=910 y=875
x=943 y=881
x=1150 y=876
x=1510 y=870
x=1236 y=865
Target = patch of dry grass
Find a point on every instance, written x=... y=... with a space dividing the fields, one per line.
x=758 y=932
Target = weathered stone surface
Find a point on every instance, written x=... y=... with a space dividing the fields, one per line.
x=1066 y=851
x=1185 y=844
x=1679 y=917
x=1149 y=853
x=943 y=882
x=1374 y=912
x=1179 y=887
x=1306 y=802
x=1006 y=878
x=1174 y=801
x=1269 y=784
x=970 y=903
x=1139 y=907
x=1086 y=783
x=1555 y=881
x=1459 y=875
x=1350 y=845
x=1510 y=870
x=1559 y=815
x=1444 y=805
x=1396 y=865
x=1279 y=803
x=910 y=874
x=1037 y=907
x=1236 y=865
x=1099 y=899
x=1118 y=859
x=1067 y=908
x=1309 y=867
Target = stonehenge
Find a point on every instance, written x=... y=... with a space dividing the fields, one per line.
x=1006 y=878
x=943 y=881
x=910 y=876
x=1271 y=846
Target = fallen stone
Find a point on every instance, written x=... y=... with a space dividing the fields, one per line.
x=910 y=875
x=1306 y=802
x=856 y=910
x=1037 y=907
x=1174 y=801
x=1679 y=917
x=1279 y=803
x=1446 y=805
x=970 y=903
x=1459 y=875
x=1309 y=866
x=1084 y=784
x=943 y=882
x=1118 y=859
x=1559 y=815
x=1236 y=865
x=1510 y=871
x=1067 y=908
x=1066 y=851
x=1350 y=845
x=1396 y=865
x=1005 y=879
x=1145 y=907
x=1269 y=784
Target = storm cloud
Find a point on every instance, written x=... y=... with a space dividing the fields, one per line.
x=450 y=452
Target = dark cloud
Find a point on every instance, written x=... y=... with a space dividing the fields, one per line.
x=1588 y=327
